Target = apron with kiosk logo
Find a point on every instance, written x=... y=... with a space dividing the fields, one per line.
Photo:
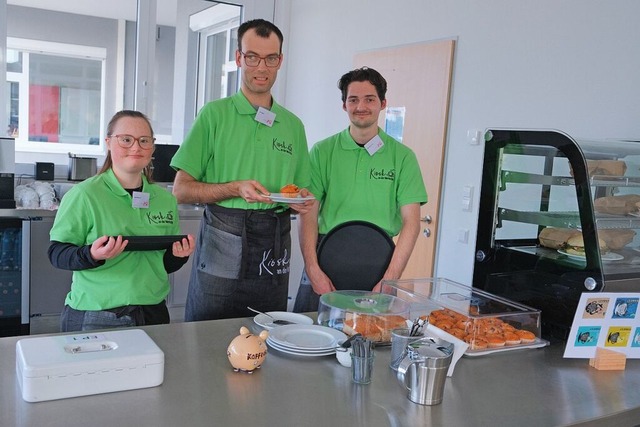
x=242 y=259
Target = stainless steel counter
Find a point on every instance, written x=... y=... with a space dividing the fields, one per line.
x=520 y=388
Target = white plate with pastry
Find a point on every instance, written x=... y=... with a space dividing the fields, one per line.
x=281 y=198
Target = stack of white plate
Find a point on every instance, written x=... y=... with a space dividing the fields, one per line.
x=305 y=340
x=267 y=321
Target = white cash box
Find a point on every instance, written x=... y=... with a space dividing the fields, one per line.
x=62 y=366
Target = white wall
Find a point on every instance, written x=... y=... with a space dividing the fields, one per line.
x=571 y=65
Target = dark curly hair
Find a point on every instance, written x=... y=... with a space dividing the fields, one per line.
x=364 y=74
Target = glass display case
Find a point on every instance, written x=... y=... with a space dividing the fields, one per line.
x=557 y=217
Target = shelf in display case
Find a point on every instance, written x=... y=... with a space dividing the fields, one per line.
x=563 y=219
x=508 y=176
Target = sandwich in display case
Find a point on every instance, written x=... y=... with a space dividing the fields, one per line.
x=557 y=217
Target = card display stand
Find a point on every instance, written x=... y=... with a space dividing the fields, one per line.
x=608 y=360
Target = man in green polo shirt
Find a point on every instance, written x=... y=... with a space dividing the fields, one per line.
x=239 y=151
x=360 y=174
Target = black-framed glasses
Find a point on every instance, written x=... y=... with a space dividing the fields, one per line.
x=127 y=141
x=253 y=60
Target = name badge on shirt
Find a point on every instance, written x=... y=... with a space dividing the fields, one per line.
x=266 y=117
x=374 y=145
x=140 y=199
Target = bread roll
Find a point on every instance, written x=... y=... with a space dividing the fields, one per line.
x=374 y=327
x=617 y=239
x=605 y=167
x=617 y=205
x=575 y=245
x=555 y=238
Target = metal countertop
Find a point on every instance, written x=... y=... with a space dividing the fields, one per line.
x=535 y=387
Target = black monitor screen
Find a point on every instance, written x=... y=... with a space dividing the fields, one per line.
x=162 y=155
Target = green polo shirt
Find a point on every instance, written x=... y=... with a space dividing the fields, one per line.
x=353 y=185
x=100 y=206
x=227 y=144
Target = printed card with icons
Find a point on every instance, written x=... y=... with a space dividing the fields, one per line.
x=607 y=320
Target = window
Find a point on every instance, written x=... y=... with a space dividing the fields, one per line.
x=56 y=95
x=219 y=65
x=217 y=69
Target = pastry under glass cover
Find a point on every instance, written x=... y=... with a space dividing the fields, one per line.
x=485 y=321
x=374 y=315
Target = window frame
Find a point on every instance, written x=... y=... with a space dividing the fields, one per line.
x=217 y=19
x=28 y=46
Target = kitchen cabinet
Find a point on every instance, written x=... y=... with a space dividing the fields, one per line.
x=180 y=279
x=539 y=190
x=49 y=285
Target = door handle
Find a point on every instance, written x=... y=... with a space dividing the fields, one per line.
x=427 y=219
x=426 y=232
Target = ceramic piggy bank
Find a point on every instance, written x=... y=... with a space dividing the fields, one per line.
x=246 y=352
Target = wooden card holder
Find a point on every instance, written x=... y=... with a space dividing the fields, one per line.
x=608 y=360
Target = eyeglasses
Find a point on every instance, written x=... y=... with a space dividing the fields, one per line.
x=253 y=60
x=127 y=141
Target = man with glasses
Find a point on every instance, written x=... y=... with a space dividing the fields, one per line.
x=239 y=151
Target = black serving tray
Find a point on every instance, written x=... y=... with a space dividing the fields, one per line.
x=151 y=243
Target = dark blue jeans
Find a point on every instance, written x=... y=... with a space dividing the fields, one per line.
x=306 y=299
x=72 y=320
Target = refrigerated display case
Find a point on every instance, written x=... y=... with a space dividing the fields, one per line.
x=557 y=217
x=14 y=320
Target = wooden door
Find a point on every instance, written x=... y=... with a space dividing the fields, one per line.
x=419 y=79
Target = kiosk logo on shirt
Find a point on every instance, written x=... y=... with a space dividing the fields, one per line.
x=282 y=146
x=377 y=174
x=160 y=217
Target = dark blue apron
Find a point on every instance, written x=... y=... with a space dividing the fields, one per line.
x=242 y=259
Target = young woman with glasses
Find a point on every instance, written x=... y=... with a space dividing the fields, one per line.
x=113 y=286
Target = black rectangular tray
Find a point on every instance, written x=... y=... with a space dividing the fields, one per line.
x=151 y=243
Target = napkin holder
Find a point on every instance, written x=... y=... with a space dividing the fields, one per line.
x=62 y=366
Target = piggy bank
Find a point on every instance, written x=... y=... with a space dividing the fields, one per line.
x=246 y=352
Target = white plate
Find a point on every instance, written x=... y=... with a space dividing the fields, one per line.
x=609 y=256
x=322 y=352
x=267 y=323
x=299 y=352
x=279 y=198
x=309 y=337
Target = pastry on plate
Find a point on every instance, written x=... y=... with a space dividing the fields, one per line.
x=290 y=190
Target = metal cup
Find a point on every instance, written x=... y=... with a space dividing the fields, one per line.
x=361 y=368
x=400 y=339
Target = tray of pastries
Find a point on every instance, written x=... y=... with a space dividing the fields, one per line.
x=487 y=322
